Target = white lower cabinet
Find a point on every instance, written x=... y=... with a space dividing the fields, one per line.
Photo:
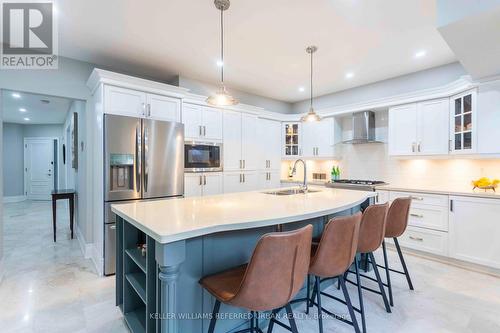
x=240 y=181
x=269 y=179
x=426 y=240
x=202 y=184
x=475 y=230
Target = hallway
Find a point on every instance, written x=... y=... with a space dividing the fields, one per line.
x=50 y=287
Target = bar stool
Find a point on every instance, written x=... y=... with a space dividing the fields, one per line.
x=331 y=258
x=371 y=236
x=274 y=275
x=397 y=221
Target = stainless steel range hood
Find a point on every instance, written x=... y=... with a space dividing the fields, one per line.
x=363 y=128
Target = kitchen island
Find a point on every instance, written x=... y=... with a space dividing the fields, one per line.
x=188 y=238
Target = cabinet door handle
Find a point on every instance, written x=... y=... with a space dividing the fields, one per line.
x=204 y=180
x=201 y=131
x=420 y=216
x=201 y=180
x=144 y=109
x=413 y=147
x=418 y=239
x=240 y=164
x=148 y=110
x=450 y=145
x=418 y=147
x=417 y=198
x=204 y=131
x=244 y=164
x=241 y=178
x=451 y=205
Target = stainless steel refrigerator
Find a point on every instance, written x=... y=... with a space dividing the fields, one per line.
x=143 y=159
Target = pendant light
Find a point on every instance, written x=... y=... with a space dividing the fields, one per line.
x=221 y=97
x=311 y=115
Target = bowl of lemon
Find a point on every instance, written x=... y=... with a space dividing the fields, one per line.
x=485 y=183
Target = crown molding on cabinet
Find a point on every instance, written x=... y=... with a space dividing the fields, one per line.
x=99 y=76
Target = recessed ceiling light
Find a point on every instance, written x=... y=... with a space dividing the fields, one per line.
x=420 y=54
x=302 y=89
x=220 y=63
x=16 y=95
x=349 y=75
x=26 y=119
x=22 y=110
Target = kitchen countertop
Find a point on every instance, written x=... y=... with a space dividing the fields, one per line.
x=171 y=220
x=445 y=190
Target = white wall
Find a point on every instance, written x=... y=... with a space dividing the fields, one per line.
x=203 y=88
x=13 y=175
x=425 y=79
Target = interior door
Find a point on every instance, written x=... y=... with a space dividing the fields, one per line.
x=163 y=159
x=39 y=168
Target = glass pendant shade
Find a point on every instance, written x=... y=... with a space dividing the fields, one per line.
x=310 y=116
x=222 y=98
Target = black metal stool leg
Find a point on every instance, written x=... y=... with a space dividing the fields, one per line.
x=291 y=319
x=271 y=322
x=379 y=280
x=213 y=320
x=318 y=296
x=349 y=305
x=387 y=274
x=308 y=291
x=360 y=296
x=252 y=322
x=400 y=253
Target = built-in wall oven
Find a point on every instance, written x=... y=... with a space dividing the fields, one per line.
x=202 y=157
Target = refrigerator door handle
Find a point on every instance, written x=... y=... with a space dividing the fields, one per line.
x=138 y=158
x=146 y=167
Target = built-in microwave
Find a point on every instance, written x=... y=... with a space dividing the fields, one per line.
x=202 y=157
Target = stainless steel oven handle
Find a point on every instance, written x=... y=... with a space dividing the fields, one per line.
x=138 y=158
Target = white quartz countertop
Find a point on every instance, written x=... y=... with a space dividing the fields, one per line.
x=445 y=190
x=171 y=220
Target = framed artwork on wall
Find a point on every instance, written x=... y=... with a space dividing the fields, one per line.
x=74 y=141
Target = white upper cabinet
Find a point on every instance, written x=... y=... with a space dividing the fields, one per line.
x=240 y=141
x=403 y=130
x=292 y=141
x=125 y=102
x=419 y=128
x=134 y=103
x=463 y=134
x=163 y=108
x=432 y=127
x=474 y=230
x=202 y=123
x=488 y=118
x=269 y=140
x=318 y=138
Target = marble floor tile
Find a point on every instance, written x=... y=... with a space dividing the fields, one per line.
x=50 y=287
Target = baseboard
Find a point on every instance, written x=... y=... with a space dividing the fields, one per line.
x=12 y=199
x=84 y=246
x=1 y=269
x=97 y=260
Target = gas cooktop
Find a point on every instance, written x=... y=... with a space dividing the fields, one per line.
x=358 y=182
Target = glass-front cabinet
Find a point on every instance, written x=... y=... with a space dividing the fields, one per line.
x=292 y=140
x=463 y=123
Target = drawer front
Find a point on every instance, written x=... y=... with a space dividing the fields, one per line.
x=422 y=198
x=435 y=242
x=431 y=217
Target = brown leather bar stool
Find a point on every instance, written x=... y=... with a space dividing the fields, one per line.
x=397 y=221
x=371 y=236
x=274 y=275
x=331 y=258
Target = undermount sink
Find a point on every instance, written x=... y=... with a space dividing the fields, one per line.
x=291 y=191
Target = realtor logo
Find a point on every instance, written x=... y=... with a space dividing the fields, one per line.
x=28 y=35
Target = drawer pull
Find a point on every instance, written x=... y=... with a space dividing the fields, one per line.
x=417 y=198
x=419 y=239
x=420 y=216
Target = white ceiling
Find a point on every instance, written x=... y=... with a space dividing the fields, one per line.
x=37 y=112
x=266 y=40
